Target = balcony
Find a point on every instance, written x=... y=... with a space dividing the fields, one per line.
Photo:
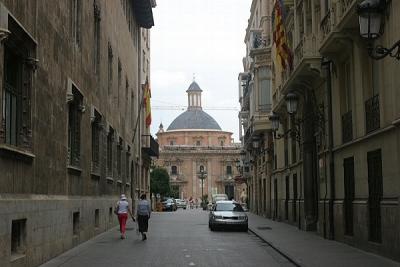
x=225 y=179
x=372 y=114
x=306 y=65
x=176 y=179
x=336 y=26
x=347 y=127
x=150 y=146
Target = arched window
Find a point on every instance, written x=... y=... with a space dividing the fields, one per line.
x=174 y=170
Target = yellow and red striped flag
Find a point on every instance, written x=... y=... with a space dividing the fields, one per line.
x=284 y=53
x=147 y=106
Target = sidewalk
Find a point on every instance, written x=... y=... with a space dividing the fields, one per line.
x=310 y=250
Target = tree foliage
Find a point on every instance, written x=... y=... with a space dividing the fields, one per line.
x=159 y=181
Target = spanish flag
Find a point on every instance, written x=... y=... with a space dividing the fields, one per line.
x=284 y=53
x=146 y=101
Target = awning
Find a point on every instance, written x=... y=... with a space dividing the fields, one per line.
x=143 y=13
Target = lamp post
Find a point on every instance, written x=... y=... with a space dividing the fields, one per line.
x=371 y=21
x=202 y=175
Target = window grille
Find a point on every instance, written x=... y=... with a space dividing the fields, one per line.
x=119 y=156
x=75 y=110
x=76 y=17
x=19 y=65
x=348 y=167
x=287 y=197
x=294 y=207
x=96 y=129
x=110 y=139
x=375 y=189
x=97 y=32
x=110 y=67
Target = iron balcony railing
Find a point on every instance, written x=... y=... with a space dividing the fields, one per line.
x=372 y=114
x=347 y=127
x=150 y=146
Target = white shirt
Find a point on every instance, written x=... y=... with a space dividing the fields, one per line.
x=144 y=208
x=123 y=206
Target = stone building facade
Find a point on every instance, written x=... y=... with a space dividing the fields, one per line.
x=336 y=158
x=194 y=141
x=70 y=96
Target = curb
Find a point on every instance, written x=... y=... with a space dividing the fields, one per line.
x=286 y=256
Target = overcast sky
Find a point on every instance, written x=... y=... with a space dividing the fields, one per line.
x=204 y=37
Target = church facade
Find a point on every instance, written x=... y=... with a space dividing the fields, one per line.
x=194 y=142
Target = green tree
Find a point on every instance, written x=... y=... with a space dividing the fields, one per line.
x=159 y=181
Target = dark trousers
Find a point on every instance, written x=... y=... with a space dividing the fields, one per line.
x=143 y=221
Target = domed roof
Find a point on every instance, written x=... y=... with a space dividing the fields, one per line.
x=194 y=119
x=194 y=87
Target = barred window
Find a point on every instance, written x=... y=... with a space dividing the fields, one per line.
x=76 y=21
x=19 y=65
x=97 y=31
x=127 y=155
x=75 y=110
x=96 y=129
x=110 y=139
x=110 y=65
x=119 y=156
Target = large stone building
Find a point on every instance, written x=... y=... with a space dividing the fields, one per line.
x=335 y=157
x=193 y=142
x=71 y=124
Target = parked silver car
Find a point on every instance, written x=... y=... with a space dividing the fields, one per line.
x=227 y=214
x=181 y=203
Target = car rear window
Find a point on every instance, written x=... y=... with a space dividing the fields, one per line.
x=228 y=207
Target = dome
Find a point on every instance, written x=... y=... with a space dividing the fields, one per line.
x=194 y=119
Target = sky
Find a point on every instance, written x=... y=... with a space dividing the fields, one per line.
x=202 y=39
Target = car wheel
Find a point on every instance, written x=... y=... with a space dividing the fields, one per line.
x=245 y=228
x=212 y=228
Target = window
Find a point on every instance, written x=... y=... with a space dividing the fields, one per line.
x=347 y=85
x=19 y=65
x=76 y=17
x=348 y=169
x=110 y=66
x=264 y=89
x=75 y=109
x=198 y=143
x=294 y=149
x=18 y=236
x=222 y=143
x=174 y=170
x=375 y=189
x=97 y=218
x=75 y=223
x=127 y=156
x=110 y=215
x=96 y=129
x=97 y=18
x=119 y=155
x=287 y=197
x=119 y=77
x=110 y=140
x=228 y=170
x=171 y=143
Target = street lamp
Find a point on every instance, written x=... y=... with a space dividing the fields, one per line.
x=202 y=175
x=291 y=103
x=371 y=21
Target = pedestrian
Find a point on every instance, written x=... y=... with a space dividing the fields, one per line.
x=122 y=209
x=143 y=215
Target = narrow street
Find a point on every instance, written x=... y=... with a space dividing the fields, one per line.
x=180 y=238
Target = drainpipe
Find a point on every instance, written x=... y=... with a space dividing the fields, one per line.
x=327 y=64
